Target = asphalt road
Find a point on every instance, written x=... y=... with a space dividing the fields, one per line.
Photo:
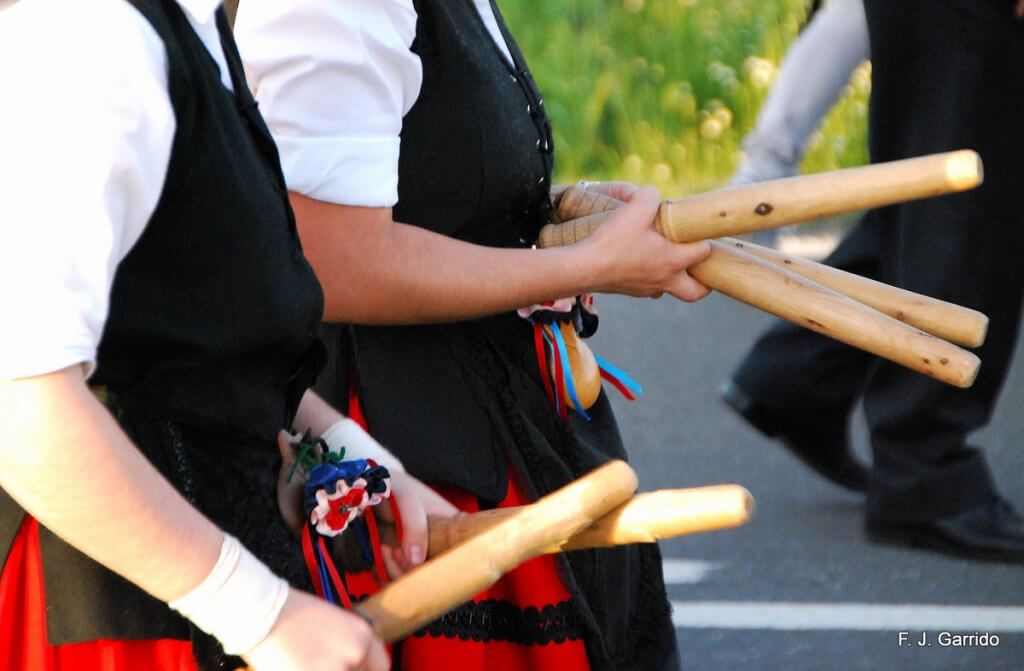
x=799 y=587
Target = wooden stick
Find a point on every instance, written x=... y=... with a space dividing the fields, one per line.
x=437 y=586
x=942 y=319
x=948 y=321
x=776 y=203
x=646 y=518
x=787 y=295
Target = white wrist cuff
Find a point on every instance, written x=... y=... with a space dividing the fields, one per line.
x=238 y=602
x=359 y=444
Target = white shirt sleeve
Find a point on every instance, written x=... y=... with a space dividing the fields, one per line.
x=86 y=128
x=333 y=79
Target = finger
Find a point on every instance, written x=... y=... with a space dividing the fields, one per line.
x=392 y=563
x=685 y=288
x=414 y=529
x=377 y=659
x=557 y=191
x=618 y=190
x=643 y=205
x=694 y=252
x=285 y=447
x=287 y=451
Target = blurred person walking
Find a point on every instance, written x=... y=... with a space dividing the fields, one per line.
x=945 y=76
x=812 y=77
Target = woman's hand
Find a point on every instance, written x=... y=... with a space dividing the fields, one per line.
x=417 y=504
x=313 y=635
x=627 y=255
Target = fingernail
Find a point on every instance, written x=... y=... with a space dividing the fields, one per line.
x=416 y=555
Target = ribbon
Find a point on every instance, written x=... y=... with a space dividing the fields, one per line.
x=336 y=495
x=619 y=378
x=567 y=368
x=540 y=346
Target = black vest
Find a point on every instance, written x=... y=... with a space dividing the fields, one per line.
x=214 y=312
x=481 y=171
x=463 y=403
x=210 y=341
x=475 y=164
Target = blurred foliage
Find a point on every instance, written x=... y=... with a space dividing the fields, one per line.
x=663 y=91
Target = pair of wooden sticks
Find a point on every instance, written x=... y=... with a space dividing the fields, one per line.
x=645 y=518
x=469 y=553
x=910 y=329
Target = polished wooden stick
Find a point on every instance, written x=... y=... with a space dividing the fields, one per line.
x=776 y=203
x=437 y=586
x=942 y=319
x=646 y=518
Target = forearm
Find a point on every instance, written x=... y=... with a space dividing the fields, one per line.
x=377 y=271
x=67 y=462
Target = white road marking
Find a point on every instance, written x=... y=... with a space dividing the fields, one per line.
x=687 y=571
x=788 y=615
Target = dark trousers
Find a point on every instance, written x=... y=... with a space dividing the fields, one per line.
x=946 y=75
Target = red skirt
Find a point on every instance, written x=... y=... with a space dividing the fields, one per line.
x=23 y=641
x=533 y=595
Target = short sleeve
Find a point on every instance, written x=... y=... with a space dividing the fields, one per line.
x=85 y=136
x=333 y=79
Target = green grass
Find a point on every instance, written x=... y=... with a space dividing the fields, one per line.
x=663 y=91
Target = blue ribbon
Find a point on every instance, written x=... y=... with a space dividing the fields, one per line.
x=325 y=579
x=620 y=375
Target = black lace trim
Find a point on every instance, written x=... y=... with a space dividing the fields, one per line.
x=501 y=620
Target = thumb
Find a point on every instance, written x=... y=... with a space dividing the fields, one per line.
x=643 y=205
x=284 y=445
x=377 y=660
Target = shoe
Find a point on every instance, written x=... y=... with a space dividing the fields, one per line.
x=993 y=531
x=823 y=446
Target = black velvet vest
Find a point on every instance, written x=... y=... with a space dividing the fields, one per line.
x=214 y=311
x=210 y=341
x=463 y=403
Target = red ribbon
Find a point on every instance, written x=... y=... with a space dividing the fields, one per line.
x=542 y=360
x=618 y=385
x=339 y=585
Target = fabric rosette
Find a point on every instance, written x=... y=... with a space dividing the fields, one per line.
x=337 y=493
x=339 y=496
